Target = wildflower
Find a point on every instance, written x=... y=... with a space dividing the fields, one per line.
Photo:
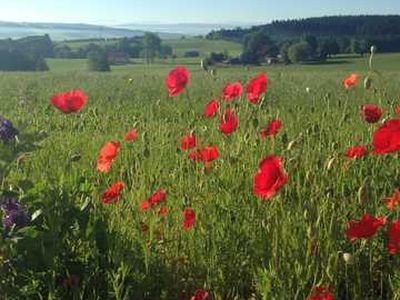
x=371 y=113
x=14 y=213
x=356 y=152
x=108 y=153
x=189 y=218
x=351 y=81
x=270 y=177
x=211 y=109
x=393 y=201
x=113 y=194
x=200 y=295
x=188 y=142
x=321 y=293
x=131 y=135
x=272 y=129
x=229 y=122
x=158 y=197
x=387 y=138
x=69 y=102
x=256 y=88
x=177 y=80
x=7 y=130
x=365 y=228
x=232 y=91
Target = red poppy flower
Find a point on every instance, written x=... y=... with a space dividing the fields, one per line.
x=188 y=142
x=321 y=293
x=256 y=88
x=356 y=151
x=113 y=194
x=365 y=228
x=371 y=113
x=387 y=138
x=189 y=218
x=69 y=102
x=394 y=238
x=107 y=154
x=211 y=109
x=351 y=81
x=270 y=177
x=206 y=155
x=158 y=197
x=229 y=122
x=393 y=201
x=177 y=80
x=232 y=91
x=200 y=295
x=272 y=129
x=145 y=205
x=397 y=110
x=210 y=153
x=131 y=135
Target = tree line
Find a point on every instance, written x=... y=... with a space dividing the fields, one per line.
x=314 y=38
x=26 y=54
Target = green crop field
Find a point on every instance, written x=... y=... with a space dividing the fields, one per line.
x=240 y=246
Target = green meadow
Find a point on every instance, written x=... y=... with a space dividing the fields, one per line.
x=240 y=247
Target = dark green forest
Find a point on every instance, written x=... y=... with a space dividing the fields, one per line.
x=382 y=31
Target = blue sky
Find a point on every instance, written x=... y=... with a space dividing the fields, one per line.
x=176 y=11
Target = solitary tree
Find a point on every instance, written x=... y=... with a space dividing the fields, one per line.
x=98 y=61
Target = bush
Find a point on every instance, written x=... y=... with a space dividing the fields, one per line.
x=98 y=61
x=300 y=52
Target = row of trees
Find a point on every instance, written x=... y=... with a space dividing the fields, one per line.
x=148 y=46
x=258 y=46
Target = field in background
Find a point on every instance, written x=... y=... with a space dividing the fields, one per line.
x=386 y=62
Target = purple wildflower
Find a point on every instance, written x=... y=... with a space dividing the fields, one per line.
x=7 y=130
x=13 y=213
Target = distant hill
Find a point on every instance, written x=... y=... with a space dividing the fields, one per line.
x=190 y=29
x=62 y=31
x=371 y=26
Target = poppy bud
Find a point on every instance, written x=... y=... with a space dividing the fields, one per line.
x=363 y=193
x=290 y=145
x=367 y=83
x=347 y=257
x=330 y=163
x=373 y=49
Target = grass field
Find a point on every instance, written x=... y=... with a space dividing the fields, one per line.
x=180 y=46
x=240 y=247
